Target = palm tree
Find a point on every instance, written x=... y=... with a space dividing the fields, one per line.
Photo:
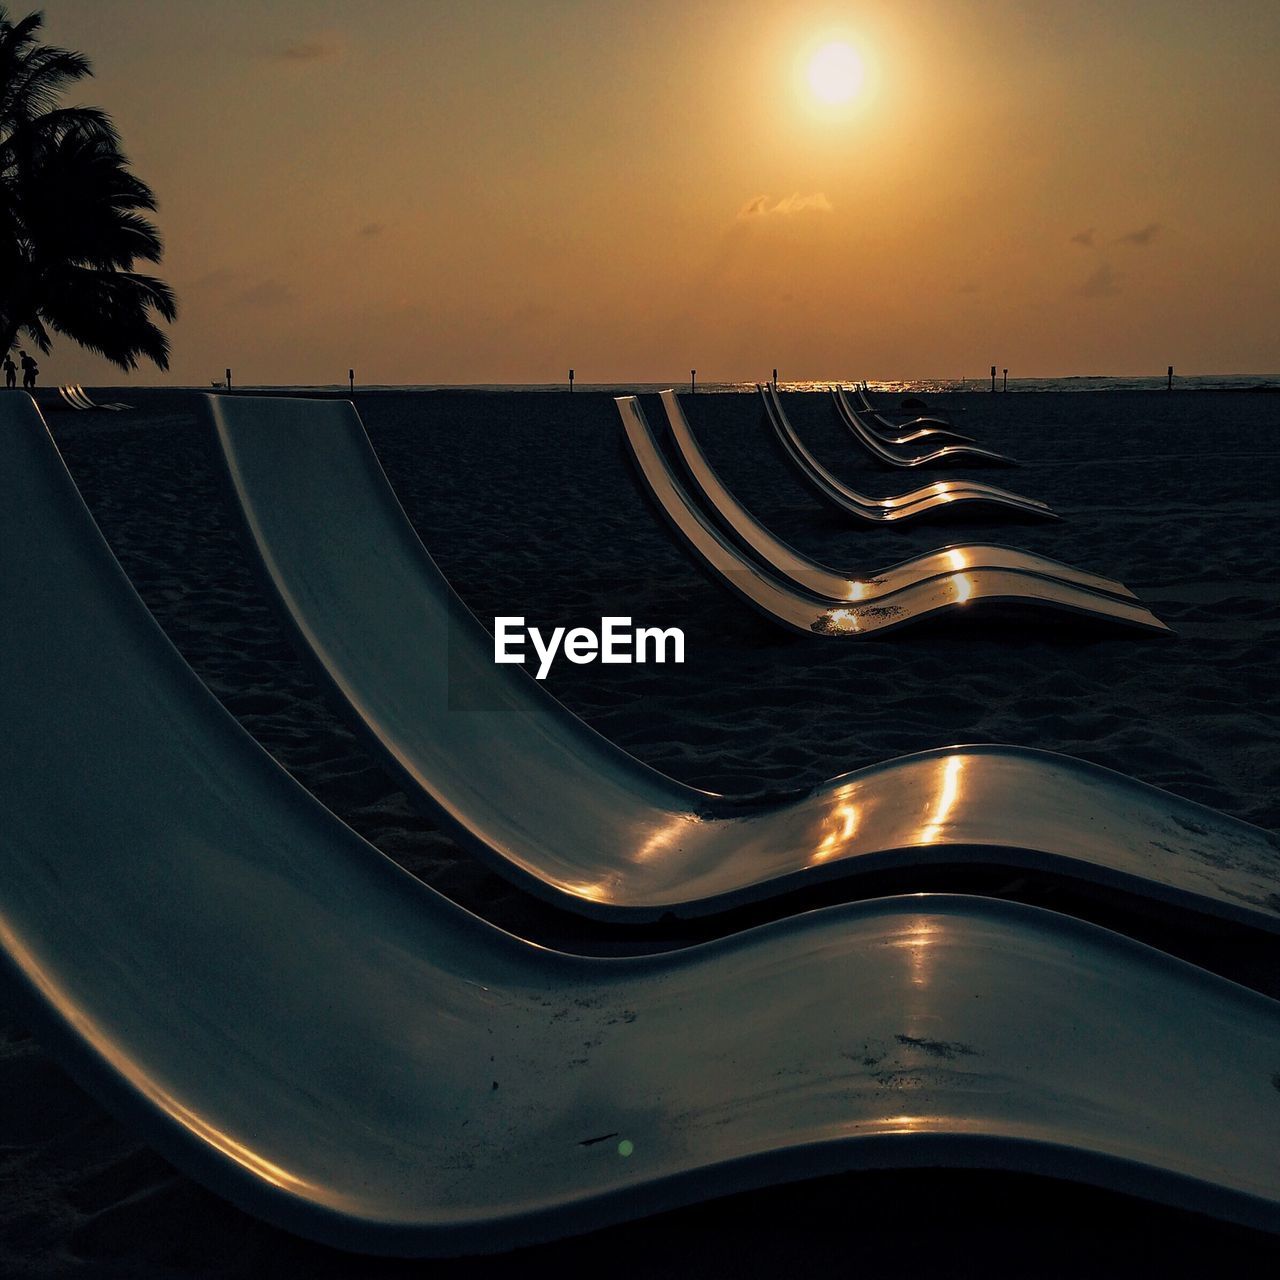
x=71 y=220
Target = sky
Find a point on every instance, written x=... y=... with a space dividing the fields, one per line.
x=494 y=191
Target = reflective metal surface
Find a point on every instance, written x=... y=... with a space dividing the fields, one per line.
x=533 y=791
x=959 y=591
x=951 y=454
x=931 y=499
x=74 y=397
x=309 y=1031
x=842 y=587
x=900 y=431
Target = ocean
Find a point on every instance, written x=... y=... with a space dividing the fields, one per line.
x=919 y=386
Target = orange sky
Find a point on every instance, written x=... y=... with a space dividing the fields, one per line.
x=496 y=190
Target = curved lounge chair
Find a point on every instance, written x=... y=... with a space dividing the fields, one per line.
x=75 y=398
x=113 y=407
x=950 y=454
x=485 y=751
x=957 y=592
x=830 y=584
x=885 y=426
x=307 y=1030
x=932 y=499
x=910 y=430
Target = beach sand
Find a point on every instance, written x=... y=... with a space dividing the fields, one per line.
x=528 y=505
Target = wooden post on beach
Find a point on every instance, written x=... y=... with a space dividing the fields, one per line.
x=228 y=379
x=775 y=379
x=693 y=382
x=571 y=382
x=1169 y=386
x=1006 y=380
x=351 y=380
x=993 y=379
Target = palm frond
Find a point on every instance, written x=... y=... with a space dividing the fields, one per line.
x=72 y=214
x=109 y=312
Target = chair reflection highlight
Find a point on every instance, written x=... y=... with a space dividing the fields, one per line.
x=951 y=768
x=844 y=826
x=929 y=499
x=950 y=454
x=887 y=427
x=905 y=594
x=819 y=580
x=917 y=939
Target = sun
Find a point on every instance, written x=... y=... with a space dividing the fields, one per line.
x=836 y=73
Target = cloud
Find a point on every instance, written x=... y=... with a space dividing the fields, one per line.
x=371 y=229
x=322 y=48
x=1104 y=283
x=1142 y=237
x=269 y=293
x=1083 y=238
x=759 y=206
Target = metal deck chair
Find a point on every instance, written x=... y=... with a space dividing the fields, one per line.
x=76 y=398
x=307 y=1030
x=887 y=426
x=910 y=429
x=950 y=454
x=831 y=584
x=112 y=407
x=526 y=786
x=958 y=593
x=937 y=499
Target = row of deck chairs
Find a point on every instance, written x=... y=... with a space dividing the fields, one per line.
x=74 y=397
x=877 y=439
x=316 y=1035
x=939 y=428
x=800 y=594
x=933 y=499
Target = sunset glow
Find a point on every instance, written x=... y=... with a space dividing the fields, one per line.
x=497 y=193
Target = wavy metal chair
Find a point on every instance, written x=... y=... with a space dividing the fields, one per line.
x=74 y=397
x=830 y=584
x=957 y=593
x=909 y=428
x=950 y=454
x=886 y=426
x=931 y=500
x=113 y=407
x=491 y=756
x=307 y=1030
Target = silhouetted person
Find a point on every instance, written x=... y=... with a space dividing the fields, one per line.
x=30 y=371
x=10 y=373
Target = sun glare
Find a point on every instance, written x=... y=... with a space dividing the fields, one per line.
x=836 y=74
